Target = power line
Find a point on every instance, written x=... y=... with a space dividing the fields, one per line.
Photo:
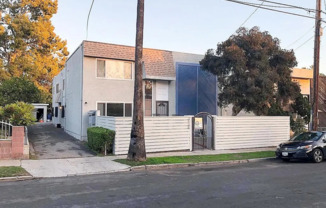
x=89 y=13
x=291 y=6
x=250 y=15
x=304 y=43
x=275 y=10
x=300 y=37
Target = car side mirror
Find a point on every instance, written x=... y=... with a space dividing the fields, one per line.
x=324 y=140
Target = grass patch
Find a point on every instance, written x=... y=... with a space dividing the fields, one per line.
x=12 y=171
x=199 y=158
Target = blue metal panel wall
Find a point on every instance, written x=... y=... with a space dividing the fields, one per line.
x=186 y=89
x=195 y=90
x=206 y=92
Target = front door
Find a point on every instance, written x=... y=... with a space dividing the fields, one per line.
x=162 y=108
x=203 y=134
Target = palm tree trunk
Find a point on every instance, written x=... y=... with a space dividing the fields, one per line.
x=137 y=151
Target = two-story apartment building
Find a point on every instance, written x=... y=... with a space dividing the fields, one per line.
x=100 y=76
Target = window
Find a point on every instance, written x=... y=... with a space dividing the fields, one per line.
x=62 y=111
x=101 y=108
x=128 y=109
x=113 y=69
x=127 y=69
x=56 y=112
x=101 y=68
x=63 y=84
x=57 y=88
x=115 y=109
x=148 y=98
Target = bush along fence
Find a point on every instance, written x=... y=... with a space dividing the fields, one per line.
x=175 y=133
x=13 y=141
x=100 y=139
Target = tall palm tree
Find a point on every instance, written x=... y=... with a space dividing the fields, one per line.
x=137 y=151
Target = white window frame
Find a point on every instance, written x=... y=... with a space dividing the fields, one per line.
x=106 y=74
x=104 y=69
x=124 y=107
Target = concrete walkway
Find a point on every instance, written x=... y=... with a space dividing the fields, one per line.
x=71 y=167
x=50 y=142
x=49 y=168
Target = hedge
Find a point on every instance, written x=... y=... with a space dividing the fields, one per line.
x=19 y=114
x=97 y=137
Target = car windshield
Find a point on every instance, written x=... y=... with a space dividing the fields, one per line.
x=307 y=136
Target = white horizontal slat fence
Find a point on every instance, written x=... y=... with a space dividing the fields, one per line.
x=161 y=133
x=236 y=132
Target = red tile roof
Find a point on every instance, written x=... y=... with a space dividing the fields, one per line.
x=157 y=62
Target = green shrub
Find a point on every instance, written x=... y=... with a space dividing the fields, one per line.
x=19 y=114
x=97 y=137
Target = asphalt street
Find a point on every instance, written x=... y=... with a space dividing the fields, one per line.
x=269 y=183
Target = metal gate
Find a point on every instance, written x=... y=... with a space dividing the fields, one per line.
x=203 y=131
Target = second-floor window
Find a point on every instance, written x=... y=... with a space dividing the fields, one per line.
x=112 y=69
x=57 y=88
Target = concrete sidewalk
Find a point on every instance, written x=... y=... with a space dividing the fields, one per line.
x=47 y=168
x=69 y=167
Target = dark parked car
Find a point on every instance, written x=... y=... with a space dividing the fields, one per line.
x=307 y=145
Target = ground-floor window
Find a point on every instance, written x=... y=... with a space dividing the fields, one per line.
x=115 y=109
x=56 y=112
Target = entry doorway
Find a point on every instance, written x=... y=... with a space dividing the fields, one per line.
x=203 y=131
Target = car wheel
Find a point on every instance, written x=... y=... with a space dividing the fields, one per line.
x=317 y=156
x=286 y=159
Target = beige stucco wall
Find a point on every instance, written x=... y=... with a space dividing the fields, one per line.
x=101 y=89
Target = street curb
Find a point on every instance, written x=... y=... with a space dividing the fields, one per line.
x=17 y=178
x=184 y=165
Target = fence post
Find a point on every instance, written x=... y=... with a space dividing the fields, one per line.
x=214 y=132
x=18 y=135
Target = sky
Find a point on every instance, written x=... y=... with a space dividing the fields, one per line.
x=191 y=26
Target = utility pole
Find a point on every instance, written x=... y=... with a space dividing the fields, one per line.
x=137 y=151
x=316 y=67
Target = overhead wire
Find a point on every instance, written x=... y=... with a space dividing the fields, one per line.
x=280 y=11
x=292 y=6
x=306 y=41
x=250 y=15
x=300 y=37
x=89 y=13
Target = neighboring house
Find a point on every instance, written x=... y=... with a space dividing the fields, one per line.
x=304 y=78
x=100 y=76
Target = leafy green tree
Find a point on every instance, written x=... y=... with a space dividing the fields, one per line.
x=301 y=106
x=19 y=89
x=19 y=114
x=253 y=72
x=28 y=45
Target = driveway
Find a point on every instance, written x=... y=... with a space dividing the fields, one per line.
x=50 y=143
